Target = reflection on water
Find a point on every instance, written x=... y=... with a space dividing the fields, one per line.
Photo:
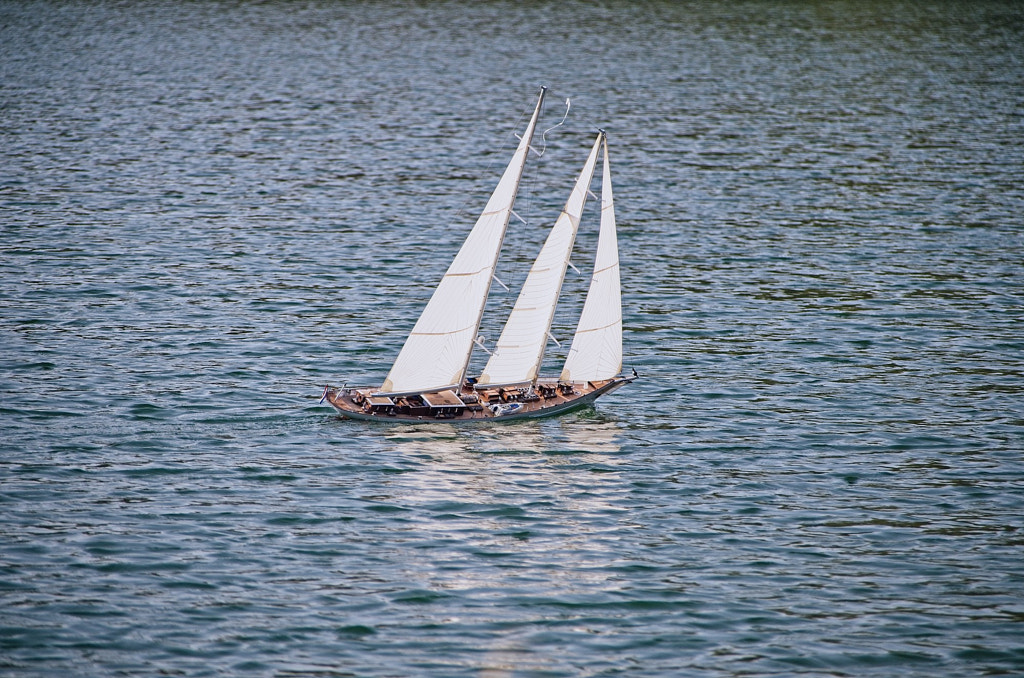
x=542 y=501
x=416 y=439
x=582 y=434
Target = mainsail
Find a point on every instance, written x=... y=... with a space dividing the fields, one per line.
x=437 y=352
x=596 y=351
x=520 y=349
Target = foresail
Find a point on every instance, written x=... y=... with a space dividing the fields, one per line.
x=437 y=351
x=520 y=349
x=596 y=351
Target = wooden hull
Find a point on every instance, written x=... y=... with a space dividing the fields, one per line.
x=491 y=404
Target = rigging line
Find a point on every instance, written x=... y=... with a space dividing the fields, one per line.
x=462 y=210
x=518 y=240
x=498 y=156
x=582 y=118
x=544 y=134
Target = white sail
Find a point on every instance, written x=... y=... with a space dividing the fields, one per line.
x=596 y=351
x=520 y=349
x=437 y=352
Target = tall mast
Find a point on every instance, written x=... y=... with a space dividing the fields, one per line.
x=596 y=351
x=520 y=349
x=437 y=352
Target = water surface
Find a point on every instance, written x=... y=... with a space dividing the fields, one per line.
x=210 y=210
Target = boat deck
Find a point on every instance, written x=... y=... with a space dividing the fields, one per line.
x=470 y=404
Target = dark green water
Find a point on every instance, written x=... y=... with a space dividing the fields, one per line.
x=209 y=210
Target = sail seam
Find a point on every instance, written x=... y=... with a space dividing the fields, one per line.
x=463 y=275
x=441 y=334
x=610 y=266
x=603 y=327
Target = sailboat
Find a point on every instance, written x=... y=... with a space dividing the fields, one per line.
x=429 y=380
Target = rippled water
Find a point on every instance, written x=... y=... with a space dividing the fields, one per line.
x=211 y=209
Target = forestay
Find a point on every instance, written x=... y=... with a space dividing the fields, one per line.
x=520 y=349
x=437 y=352
x=596 y=351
